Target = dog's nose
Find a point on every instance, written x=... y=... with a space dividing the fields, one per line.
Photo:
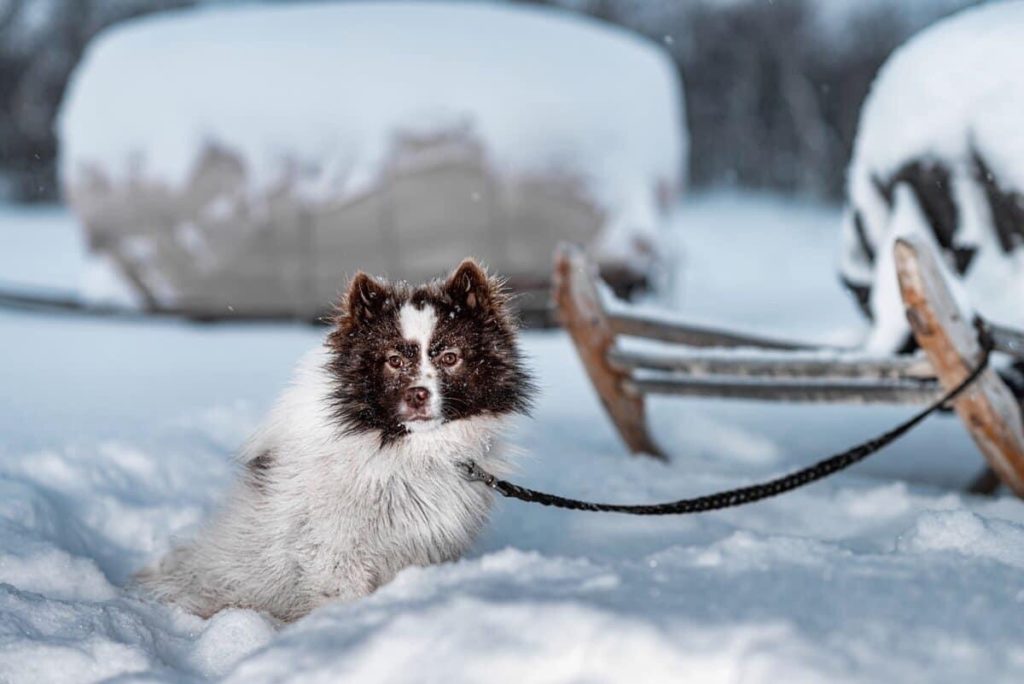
x=416 y=397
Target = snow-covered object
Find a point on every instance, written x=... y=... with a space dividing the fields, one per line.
x=945 y=119
x=833 y=20
x=451 y=127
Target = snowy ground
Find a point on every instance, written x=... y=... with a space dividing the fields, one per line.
x=116 y=437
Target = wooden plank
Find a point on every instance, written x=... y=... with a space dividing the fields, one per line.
x=623 y=323
x=809 y=391
x=579 y=308
x=789 y=365
x=988 y=408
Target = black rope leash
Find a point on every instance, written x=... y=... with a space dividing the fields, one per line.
x=751 y=493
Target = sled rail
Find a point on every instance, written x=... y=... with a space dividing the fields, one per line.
x=699 y=363
x=1007 y=340
x=850 y=392
x=673 y=358
x=634 y=325
x=706 y=362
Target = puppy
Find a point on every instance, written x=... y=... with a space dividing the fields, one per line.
x=355 y=473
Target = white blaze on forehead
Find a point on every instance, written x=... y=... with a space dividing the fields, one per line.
x=417 y=325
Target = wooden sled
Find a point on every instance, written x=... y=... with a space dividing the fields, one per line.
x=705 y=362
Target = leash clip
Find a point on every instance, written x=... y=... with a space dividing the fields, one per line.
x=986 y=340
x=475 y=473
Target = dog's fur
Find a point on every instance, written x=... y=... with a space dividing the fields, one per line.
x=354 y=475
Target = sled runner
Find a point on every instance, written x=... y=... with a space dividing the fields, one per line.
x=629 y=356
x=988 y=409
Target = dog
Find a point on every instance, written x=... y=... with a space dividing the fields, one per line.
x=355 y=474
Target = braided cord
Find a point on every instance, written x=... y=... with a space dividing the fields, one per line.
x=741 y=495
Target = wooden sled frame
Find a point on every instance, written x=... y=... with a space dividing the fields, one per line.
x=706 y=362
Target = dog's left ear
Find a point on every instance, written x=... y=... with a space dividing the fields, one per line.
x=470 y=287
x=365 y=298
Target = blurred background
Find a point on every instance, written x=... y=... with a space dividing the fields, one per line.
x=773 y=88
x=232 y=161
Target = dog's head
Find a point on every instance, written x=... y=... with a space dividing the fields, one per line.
x=412 y=359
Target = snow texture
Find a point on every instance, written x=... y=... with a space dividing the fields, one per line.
x=117 y=439
x=951 y=93
x=152 y=94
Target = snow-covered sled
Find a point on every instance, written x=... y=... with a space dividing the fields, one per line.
x=288 y=147
x=939 y=153
x=935 y=209
x=684 y=360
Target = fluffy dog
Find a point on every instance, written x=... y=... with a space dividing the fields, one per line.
x=355 y=473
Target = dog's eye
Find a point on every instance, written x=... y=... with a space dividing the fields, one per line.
x=449 y=358
x=395 y=361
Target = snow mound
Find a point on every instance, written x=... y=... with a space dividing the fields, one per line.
x=230 y=636
x=943 y=118
x=966 y=533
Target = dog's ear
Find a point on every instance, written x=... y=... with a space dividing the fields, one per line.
x=469 y=286
x=365 y=299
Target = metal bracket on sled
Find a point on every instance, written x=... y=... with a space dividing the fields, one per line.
x=705 y=362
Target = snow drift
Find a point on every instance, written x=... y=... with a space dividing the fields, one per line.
x=944 y=118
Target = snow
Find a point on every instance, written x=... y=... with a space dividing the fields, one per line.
x=117 y=439
x=151 y=94
x=720 y=281
x=835 y=19
x=947 y=89
x=950 y=91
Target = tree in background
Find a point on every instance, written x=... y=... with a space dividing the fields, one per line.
x=773 y=87
x=40 y=43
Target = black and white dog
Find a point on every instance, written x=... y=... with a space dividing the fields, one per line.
x=355 y=473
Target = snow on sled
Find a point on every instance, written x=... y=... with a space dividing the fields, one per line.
x=697 y=361
x=934 y=228
x=942 y=123
x=393 y=138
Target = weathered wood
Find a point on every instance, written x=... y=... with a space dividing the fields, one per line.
x=987 y=408
x=623 y=323
x=795 y=364
x=579 y=308
x=808 y=391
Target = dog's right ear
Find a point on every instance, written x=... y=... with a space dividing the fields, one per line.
x=469 y=286
x=365 y=299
